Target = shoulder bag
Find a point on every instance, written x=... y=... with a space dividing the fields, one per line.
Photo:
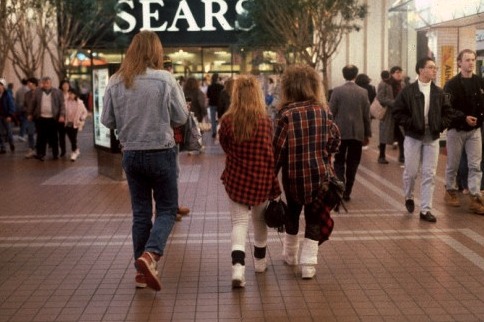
x=377 y=111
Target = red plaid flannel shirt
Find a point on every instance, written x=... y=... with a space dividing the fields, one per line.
x=305 y=137
x=249 y=176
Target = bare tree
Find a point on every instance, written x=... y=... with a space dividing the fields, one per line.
x=80 y=24
x=5 y=34
x=309 y=31
x=24 y=24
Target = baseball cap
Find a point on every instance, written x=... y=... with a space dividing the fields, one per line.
x=3 y=81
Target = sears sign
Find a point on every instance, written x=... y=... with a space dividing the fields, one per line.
x=183 y=22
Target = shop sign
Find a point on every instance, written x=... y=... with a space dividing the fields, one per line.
x=193 y=22
x=446 y=64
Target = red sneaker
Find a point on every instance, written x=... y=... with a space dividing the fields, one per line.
x=147 y=265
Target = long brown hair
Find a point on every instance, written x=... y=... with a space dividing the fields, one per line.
x=246 y=107
x=145 y=51
x=302 y=83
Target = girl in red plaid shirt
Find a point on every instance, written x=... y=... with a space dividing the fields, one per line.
x=305 y=138
x=249 y=178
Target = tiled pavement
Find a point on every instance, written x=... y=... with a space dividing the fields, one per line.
x=65 y=252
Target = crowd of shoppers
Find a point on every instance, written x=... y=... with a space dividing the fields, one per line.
x=147 y=106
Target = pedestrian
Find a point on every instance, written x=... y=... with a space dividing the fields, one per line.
x=464 y=134
x=350 y=106
x=424 y=111
x=7 y=111
x=21 y=111
x=213 y=94
x=48 y=109
x=389 y=131
x=64 y=86
x=305 y=139
x=76 y=114
x=32 y=84
x=224 y=101
x=178 y=134
x=249 y=178
x=142 y=102
x=364 y=81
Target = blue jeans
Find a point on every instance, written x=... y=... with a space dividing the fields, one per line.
x=471 y=143
x=425 y=154
x=30 y=130
x=151 y=175
x=213 y=119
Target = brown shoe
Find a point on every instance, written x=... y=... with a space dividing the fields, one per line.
x=183 y=211
x=451 y=198
x=476 y=205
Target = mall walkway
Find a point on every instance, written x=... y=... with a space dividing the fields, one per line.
x=65 y=252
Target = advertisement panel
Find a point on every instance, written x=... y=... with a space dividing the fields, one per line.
x=446 y=64
x=102 y=135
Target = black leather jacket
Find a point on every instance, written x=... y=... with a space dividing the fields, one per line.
x=408 y=111
x=466 y=103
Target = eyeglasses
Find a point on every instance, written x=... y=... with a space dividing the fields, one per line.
x=432 y=67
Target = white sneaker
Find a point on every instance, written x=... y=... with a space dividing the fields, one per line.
x=75 y=155
x=260 y=265
x=30 y=154
x=238 y=276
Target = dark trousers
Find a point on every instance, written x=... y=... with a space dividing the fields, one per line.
x=72 y=135
x=61 y=132
x=47 y=133
x=346 y=162
x=312 y=220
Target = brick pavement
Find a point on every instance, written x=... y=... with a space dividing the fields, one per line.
x=65 y=252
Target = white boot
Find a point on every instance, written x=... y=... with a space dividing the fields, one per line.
x=260 y=265
x=309 y=258
x=238 y=275
x=290 y=249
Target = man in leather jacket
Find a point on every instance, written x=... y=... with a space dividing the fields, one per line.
x=424 y=111
x=467 y=98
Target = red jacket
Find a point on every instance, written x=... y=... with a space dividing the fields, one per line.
x=249 y=175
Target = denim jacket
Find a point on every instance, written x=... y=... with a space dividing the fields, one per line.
x=144 y=114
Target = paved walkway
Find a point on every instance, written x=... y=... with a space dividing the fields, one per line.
x=65 y=251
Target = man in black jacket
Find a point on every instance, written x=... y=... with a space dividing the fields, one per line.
x=424 y=111
x=467 y=97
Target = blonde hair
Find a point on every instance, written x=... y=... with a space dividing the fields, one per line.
x=302 y=83
x=246 y=107
x=145 y=51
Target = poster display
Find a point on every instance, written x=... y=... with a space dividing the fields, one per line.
x=102 y=135
x=447 y=64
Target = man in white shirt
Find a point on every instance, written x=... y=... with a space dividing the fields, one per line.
x=48 y=108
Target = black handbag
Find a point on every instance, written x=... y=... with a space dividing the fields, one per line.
x=332 y=192
x=275 y=214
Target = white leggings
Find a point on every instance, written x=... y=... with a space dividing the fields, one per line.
x=240 y=222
